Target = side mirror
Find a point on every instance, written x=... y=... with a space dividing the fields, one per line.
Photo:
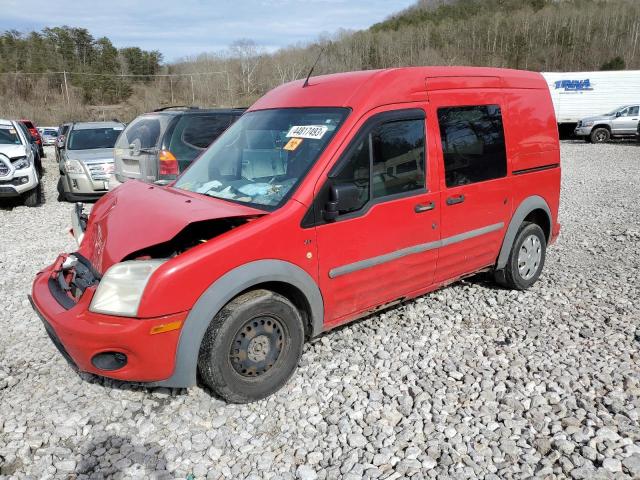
x=618 y=114
x=342 y=198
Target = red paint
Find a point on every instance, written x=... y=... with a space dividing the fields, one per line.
x=137 y=215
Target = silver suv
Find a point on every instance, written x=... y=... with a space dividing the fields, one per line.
x=86 y=161
x=157 y=146
x=621 y=122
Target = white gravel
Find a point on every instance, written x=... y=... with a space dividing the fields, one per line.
x=470 y=381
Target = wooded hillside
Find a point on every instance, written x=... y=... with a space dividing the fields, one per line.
x=540 y=35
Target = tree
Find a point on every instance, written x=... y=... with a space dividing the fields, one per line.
x=616 y=63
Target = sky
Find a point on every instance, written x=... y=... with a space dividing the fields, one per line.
x=181 y=28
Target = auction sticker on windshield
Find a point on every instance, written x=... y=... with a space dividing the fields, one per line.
x=314 y=132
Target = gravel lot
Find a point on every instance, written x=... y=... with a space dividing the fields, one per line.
x=470 y=381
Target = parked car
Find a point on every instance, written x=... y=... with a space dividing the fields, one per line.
x=18 y=173
x=35 y=148
x=322 y=204
x=35 y=134
x=63 y=129
x=157 y=146
x=621 y=122
x=86 y=162
x=49 y=135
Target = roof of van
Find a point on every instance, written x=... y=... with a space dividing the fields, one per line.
x=196 y=111
x=92 y=125
x=393 y=85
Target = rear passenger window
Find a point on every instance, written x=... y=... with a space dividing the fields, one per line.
x=194 y=133
x=472 y=144
x=200 y=132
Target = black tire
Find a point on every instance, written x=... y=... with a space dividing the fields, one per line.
x=33 y=197
x=600 y=135
x=62 y=195
x=511 y=277
x=242 y=375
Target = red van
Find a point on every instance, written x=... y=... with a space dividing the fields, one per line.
x=323 y=203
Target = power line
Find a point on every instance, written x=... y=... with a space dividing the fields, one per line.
x=118 y=74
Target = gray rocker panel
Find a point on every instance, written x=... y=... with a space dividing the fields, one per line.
x=220 y=293
x=529 y=204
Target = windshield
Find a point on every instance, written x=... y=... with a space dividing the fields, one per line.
x=50 y=133
x=9 y=135
x=613 y=112
x=262 y=157
x=90 y=138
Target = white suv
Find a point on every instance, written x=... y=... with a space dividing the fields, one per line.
x=18 y=174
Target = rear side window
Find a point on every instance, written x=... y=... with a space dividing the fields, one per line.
x=472 y=144
x=194 y=133
x=143 y=132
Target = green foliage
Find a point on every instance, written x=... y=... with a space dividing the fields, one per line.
x=616 y=63
x=93 y=62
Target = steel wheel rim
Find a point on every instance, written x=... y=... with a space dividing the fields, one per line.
x=257 y=346
x=529 y=257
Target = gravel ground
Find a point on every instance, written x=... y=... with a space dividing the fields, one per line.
x=470 y=381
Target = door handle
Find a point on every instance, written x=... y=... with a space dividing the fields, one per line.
x=456 y=199
x=424 y=207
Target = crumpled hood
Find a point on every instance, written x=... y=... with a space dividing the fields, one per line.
x=13 y=151
x=137 y=215
x=96 y=155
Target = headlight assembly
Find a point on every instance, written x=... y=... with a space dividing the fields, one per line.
x=588 y=124
x=120 y=289
x=73 y=166
x=20 y=162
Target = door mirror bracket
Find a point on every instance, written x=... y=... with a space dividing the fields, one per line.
x=343 y=197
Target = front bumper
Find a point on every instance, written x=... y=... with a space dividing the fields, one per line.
x=80 y=334
x=80 y=186
x=583 y=131
x=12 y=187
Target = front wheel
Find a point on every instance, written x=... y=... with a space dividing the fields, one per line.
x=526 y=258
x=600 y=135
x=33 y=197
x=252 y=347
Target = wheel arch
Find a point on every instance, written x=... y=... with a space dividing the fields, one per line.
x=280 y=276
x=601 y=125
x=534 y=209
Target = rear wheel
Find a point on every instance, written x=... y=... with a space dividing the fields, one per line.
x=252 y=347
x=600 y=135
x=526 y=258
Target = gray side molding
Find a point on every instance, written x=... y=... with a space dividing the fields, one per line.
x=529 y=204
x=220 y=293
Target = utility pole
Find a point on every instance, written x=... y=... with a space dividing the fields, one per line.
x=171 y=85
x=193 y=95
x=66 y=88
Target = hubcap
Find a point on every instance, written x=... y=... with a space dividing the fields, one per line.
x=257 y=346
x=600 y=136
x=529 y=257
